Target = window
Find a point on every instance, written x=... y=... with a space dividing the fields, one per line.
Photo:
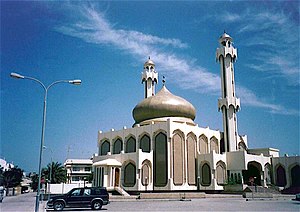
x=87 y=169
x=160 y=161
x=76 y=178
x=129 y=175
x=118 y=146
x=145 y=143
x=130 y=145
x=76 y=169
x=76 y=192
x=105 y=148
x=87 y=192
x=206 y=179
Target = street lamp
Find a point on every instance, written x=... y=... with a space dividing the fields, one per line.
x=50 y=174
x=74 y=82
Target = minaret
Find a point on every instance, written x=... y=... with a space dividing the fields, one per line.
x=229 y=104
x=149 y=77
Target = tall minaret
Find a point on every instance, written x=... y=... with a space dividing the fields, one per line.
x=150 y=77
x=229 y=104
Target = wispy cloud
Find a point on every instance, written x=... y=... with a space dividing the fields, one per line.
x=95 y=28
x=275 y=31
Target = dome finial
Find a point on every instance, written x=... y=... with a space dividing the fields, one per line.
x=164 y=81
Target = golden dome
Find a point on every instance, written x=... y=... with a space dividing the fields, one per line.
x=162 y=106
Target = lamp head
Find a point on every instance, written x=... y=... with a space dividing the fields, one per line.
x=16 y=75
x=75 y=82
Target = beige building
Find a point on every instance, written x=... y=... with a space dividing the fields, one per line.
x=166 y=150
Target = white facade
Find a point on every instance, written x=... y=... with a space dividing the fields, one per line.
x=78 y=170
x=166 y=151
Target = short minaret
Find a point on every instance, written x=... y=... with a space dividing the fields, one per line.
x=150 y=77
x=229 y=104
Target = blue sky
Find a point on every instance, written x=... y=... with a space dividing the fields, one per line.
x=105 y=44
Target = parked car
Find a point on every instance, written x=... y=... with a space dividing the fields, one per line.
x=297 y=197
x=93 y=197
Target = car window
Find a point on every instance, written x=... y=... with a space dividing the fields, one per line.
x=87 y=192
x=76 y=192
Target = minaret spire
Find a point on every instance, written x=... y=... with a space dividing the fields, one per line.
x=228 y=103
x=149 y=77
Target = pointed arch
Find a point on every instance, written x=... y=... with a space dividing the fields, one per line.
x=280 y=176
x=221 y=172
x=146 y=171
x=205 y=174
x=145 y=142
x=267 y=173
x=160 y=159
x=214 y=144
x=203 y=144
x=104 y=147
x=117 y=145
x=242 y=146
x=295 y=175
x=129 y=174
x=178 y=157
x=130 y=144
x=191 y=158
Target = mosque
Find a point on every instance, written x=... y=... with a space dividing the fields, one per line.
x=165 y=150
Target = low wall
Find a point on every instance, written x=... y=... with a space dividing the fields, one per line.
x=64 y=188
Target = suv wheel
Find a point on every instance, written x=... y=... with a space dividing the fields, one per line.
x=97 y=205
x=58 y=206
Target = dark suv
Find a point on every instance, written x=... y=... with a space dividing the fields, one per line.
x=93 y=197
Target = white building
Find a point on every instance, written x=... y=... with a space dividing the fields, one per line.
x=78 y=170
x=166 y=151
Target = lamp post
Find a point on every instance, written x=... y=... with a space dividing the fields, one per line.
x=74 y=82
x=50 y=174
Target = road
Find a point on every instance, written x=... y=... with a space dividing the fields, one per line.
x=26 y=202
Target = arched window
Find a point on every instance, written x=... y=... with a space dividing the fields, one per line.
x=130 y=145
x=160 y=161
x=214 y=144
x=295 y=174
x=203 y=144
x=221 y=173
x=105 y=147
x=145 y=143
x=267 y=173
x=242 y=146
x=129 y=175
x=222 y=145
x=178 y=159
x=191 y=159
x=146 y=175
x=206 y=176
x=118 y=146
x=281 y=177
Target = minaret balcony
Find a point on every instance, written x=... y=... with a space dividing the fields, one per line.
x=235 y=102
x=153 y=75
x=224 y=51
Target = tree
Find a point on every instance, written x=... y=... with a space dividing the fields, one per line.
x=58 y=173
x=12 y=177
x=1 y=176
x=34 y=181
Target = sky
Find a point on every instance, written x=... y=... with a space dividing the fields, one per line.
x=105 y=44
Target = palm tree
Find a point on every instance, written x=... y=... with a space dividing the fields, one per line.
x=55 y=172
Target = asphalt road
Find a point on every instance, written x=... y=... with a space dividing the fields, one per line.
x=26 y=202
